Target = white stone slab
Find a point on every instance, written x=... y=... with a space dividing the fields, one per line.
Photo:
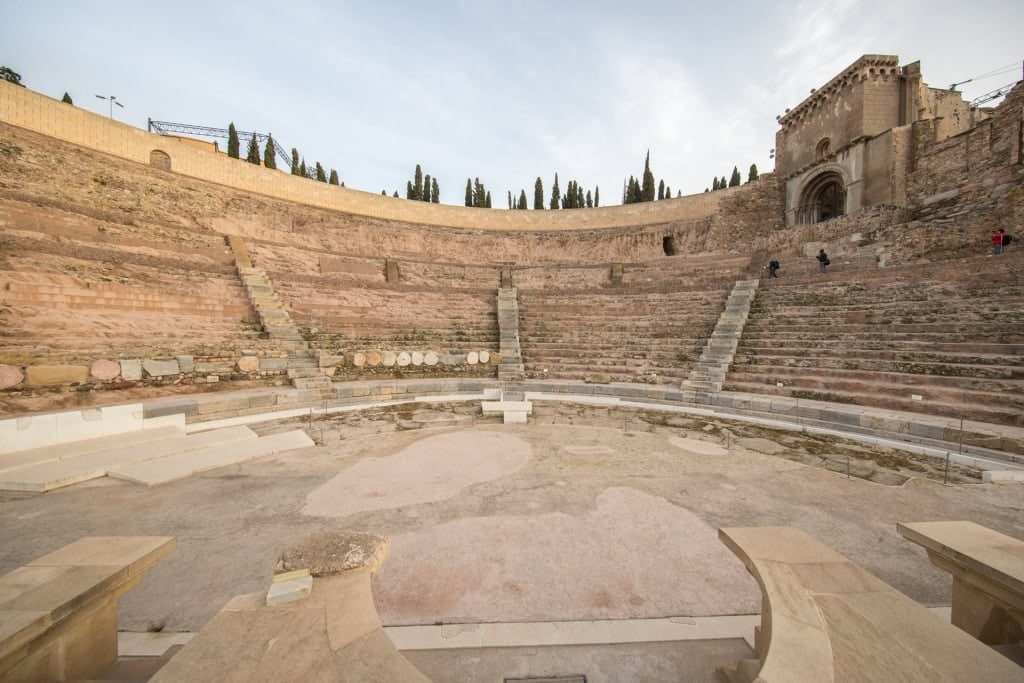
x=289 y=591
x=51 y=475
x=515 y=417
x=62 y=451
x=172 y=468
x=1002 y=476
x=494 y=407
x=36 y=431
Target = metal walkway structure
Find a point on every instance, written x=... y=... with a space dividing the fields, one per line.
x=168 y=128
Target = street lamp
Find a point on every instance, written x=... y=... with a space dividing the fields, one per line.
x=113 y=100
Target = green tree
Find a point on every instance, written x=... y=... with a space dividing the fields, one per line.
x=321 y=175
x=522 y=200
x=232 y=141
x=435 y=192
x=469 y=192
x=333 y=180
x=10 y=76
x=302 y=168
x=661 y=190
x=67 y=99
x=417 y=184
x=714 y=185
x=597 y=196
x=556 y=194
x=590 y=200
x=647 y=189
x=396 y=195
x=253 y=153
x=752 y=176
x=426 y=188
x=269 y=154
x=538 y=194
x=735 y=179
x=410 y=191
x=668 y=192
x=296 y=170
x=487 y=200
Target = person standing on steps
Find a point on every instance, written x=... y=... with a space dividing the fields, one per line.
x=997 y=242
x=773 y=268
x=823 y=262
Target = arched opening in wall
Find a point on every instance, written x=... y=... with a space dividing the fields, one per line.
x=824 y=148
x=668 y=245
x=823 y=199
x=160 y=159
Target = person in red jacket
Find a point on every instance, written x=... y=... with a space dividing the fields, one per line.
x=997 y=242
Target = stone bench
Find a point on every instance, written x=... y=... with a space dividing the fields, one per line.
x=826 y=619
x=988 y=576
x=317 y=622
x=58 y=614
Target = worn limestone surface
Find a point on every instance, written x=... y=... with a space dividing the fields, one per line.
x=590 y=522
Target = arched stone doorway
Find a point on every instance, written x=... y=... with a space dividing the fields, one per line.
x=822 y=199
x=160 y=159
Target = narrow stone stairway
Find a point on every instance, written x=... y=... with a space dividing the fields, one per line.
x=709 y=372
x=303 y=365
x=511 y=366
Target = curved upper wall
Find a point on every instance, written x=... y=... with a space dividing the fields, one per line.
x=27 y=109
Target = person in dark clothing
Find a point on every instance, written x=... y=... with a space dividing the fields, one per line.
x=823 y=261
x=773 y=268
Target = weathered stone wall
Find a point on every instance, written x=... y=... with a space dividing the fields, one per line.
x=22 y=107
x=748 y=216
x=972 y=183
x=861 y=101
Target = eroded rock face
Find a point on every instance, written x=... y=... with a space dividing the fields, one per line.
x=325 y=553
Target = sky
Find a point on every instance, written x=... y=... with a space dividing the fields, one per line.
x=501 y=91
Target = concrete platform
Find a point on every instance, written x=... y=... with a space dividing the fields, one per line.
x=46 y=476
x=174 y=467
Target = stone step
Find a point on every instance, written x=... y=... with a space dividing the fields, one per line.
x=47 y=476
x=182 y=465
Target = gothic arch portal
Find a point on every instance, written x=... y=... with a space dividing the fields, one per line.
x=822 y=197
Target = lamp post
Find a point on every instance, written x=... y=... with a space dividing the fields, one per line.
x=113 y=100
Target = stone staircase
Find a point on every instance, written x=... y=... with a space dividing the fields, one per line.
x=511 y=366
x=709 y=372
x=303 y=365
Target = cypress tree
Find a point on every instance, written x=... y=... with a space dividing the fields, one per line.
x=435 y=193
x=469 y=192
x=522 y=200
x=538 y=194
x=735 y=179
x=752 y=176
x=417 y=184
x=269 y=160
x=555 y=194
x=410 y=191
x=426 y=188
x=487 y=201
x=302 y=168
x=668 y=192
x=232 y=141
x=597 y=196
x=590 y=200
x=579 y=197
x=510 y=199
x=333 y=180
x=661 y=189
x=396 y=195
x=295 y=162
x=253 y=154
x=647 y=189
x=67 y=99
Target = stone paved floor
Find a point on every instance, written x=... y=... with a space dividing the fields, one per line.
x=504 y=523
